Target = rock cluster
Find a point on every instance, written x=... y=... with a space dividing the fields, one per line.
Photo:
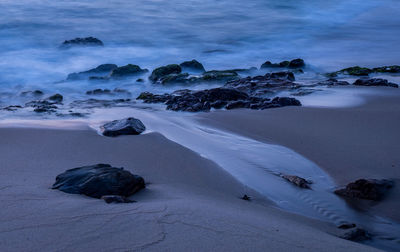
x=369 y=189
x=89 y=41
x=375 y=82
x=296 y=63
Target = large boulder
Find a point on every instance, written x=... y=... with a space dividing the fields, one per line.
x=127 y=71
x=369 y=189
x=89 y=41
x=296 y=63
x=160 y=72
x=192 y=66
x=99 y=180
x=375 y=82
x=128 y=126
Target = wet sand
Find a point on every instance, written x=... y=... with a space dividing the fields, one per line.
x=348 y=143
x=190 y=203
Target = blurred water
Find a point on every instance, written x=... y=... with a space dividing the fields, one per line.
x=220 y=33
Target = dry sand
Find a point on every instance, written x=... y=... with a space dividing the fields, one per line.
x=190 y=204
x=348 y=143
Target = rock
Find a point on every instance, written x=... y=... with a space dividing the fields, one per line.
x=12 y=108
x=128 y=126
x=104 y=70
x=333 y=82
x=237 y=104
x=298 y=181
x=297 y=63
x=286 y=101
x=368 y=189
x=140 y=80
x=245 y=197
x=374 y=82
x=219 y=76
x=356 y=71
x=387 y=69
x=281 y=75
x=116 y=199
x=96 y=103
x=192 y=66
x=163 y=71
x=181 y=78
x=89 y=41
x=347 y=225
x=42 y=106
x=56 y=98
x=35 y=93
x=356 y=234
x=127 y=71
x=148 y=97
x=98 y=91
x=99 y=180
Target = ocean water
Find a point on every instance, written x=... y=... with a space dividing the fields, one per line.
x=221 y=34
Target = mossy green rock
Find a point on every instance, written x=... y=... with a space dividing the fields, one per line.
x=160 y=72
x=128 y=70
x=192 y=66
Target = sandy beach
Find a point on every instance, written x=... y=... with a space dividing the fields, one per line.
x=189 y=203
x=348 y=143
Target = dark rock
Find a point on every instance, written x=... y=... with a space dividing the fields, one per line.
x=369 y=189
x=128 y=126
x=98 y=91
x=296 y=63
x=148 y=97
x=192 y=66
x=42 y=106
x=375 y=82
x=246 y=197
x=286 y=101
x=219 y=76
x=12 y=108
x=333 y=82
x=347 y=226
x=303 y=92
x=140 y=80
x=218 y=104
x=387 y=69
x=89 y=41
x=127 y=71
x=298 y=181
x=237 y=104
x=104 y=70
x=56 y=98
x=96 y=103
x=281 y=75
x=181 y=78
x=164 y=71
x=99 y=180
x=116 y=199
x=35 y=93
x=356 y=234
x=356 y=71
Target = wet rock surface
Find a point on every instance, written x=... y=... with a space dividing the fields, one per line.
x=100 y=103
x=115 y=91
x=296 y=63
x=298 y=181
x=88 y=41
x=368 y=189
x=128 y=126
x=375 y=82
x=163 y=71
x=192 y=66
x=127 y=71
x=99 y=180
x=356 y=234
x=364 y=71
x=100 y=71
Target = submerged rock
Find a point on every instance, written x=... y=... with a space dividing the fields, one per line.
x=99 y=180
x=35 y=93
x=375 y=82
x=387 y=69
x=192 y=66
x=369 y=189
x=356 y=234
x=127 y=71
x=56 y=98
x=128 y=126
x=103 y=70
x=97 y=103
x=356 y=71
x=89 y=41
x=297 y=181
x=160 y=72
x=296 y=63
x=116 y=199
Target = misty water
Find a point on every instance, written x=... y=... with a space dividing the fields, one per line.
x=222 y=34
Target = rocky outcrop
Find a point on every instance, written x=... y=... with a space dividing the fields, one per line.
x=356 y=234
x=34 y=93
x=128 y=126
x=89 y=41
x=192 y=66
x=297 y=181
x=48 y=105
x=368 y=189
x=127 y=71
x=374 y=82
x=364 y=71
x=56 y=98
x=100 y=91
x=296 y=63
x=99 y=180
x=97 y=103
